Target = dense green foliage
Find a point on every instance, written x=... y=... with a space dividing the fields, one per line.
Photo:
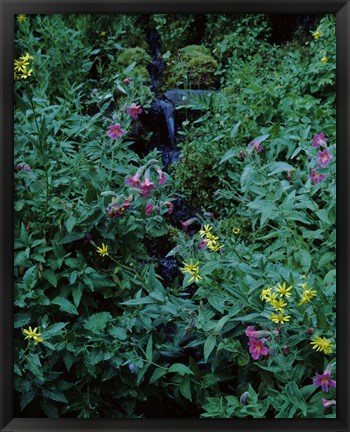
x=124 y=307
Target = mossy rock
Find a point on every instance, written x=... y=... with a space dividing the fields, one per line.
x=193 y=67
x=135 y=55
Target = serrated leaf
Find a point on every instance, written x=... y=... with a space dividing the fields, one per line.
x=97 y=322
x=30 y=277
x=21 y=319
x=77 y=292
x=65 y=305
x=57 y=396
x=50 y=276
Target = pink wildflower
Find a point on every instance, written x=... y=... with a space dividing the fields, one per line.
x=134 y=110
x=324 y=158
x=170 y=207
x=147 y=186
x=319 y=140
x=257 y=348
x=115 y=131
x=257 y=145
x=328 y=403
x=324 y=380
x=26 y=168
x=187 y=223
x=203 y=244
x=252 y=333
x=162 y=178
x=127 y=80
x=149 y=208
x=126 y=204
x=317 y=177
x=135 y=180
x=113 y=210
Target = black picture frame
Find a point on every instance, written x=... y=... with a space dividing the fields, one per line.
x=7 y=11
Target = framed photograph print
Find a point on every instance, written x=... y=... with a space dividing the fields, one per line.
x=174 y=216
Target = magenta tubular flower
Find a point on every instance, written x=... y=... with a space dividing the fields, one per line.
x=319 y=140
x=203 y=244
x=257 y=145
x=147 y=186
x=187 y=223
x=252 y=333
x=113 y=210
x=127 y=80
x=115 y=131
x=324 y=157
x=134 y=110
x=162 y=178
x=324 y=381
x=26 y=168
x=149 y=208
x=134 y=181
x=170 y=206
x=317 y=177
x=328 y=403
x=19 y=167
x=126 y=204
x=257 y=348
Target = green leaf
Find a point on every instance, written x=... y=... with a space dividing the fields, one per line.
x=149 y=349
x=53 y=330
x=296 y=397
x=30 y=277
x=185 y=388
x=49 y=408
x=180 y=369
x=56 y=395
x=51 y=277
x=21 y=319
x=235 y=129
x=276 y=167
x=26 y=398
x=209 y=345
x=158 y=373
x=97 y=322
x=70 y=223
x=228 y=155
x=65 y=305
x=77 y=292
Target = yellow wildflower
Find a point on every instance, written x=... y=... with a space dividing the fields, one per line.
x=278 y=304
x=26 y=74
x=206 y=231
x=280 y=318
x=21 y=18
x=265 y=293
x=317 y=34
x=324 y=59
x=307 y=295
x=192 y=269
x=21 y=65
x=102 y=250
x=283 y=290
x=236 y=230
x=103 y=33
x=26 y=57
x=322 y=344
x=32 y=334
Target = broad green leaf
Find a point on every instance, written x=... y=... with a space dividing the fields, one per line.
x=296 y=397
x=209 y=345
x=180 y=369
x=65 y=305
x=185 y=388
x=97 y=322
